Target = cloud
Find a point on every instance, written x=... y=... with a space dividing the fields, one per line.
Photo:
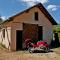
x=3 y=17
x=42 y=1
x=52 y=7
x=33 y=2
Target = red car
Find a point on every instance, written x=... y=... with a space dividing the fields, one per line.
x=39 y=46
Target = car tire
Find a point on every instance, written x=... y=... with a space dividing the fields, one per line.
x=30 y=51
x=47 y=50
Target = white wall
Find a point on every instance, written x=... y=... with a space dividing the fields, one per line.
x=5 y=41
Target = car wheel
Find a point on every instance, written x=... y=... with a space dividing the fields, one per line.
x=30 y=50
x=47 y=50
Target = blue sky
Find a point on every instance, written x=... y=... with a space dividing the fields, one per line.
x=11 y=7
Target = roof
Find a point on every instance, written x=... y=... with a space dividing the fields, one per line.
x=43 y=10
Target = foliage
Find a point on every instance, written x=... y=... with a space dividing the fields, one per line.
x=56 y=28
x=1 y=20
x=1 y=45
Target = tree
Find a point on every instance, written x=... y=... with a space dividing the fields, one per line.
x=1 y=20
x=56 y=29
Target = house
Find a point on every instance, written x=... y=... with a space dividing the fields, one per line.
x=32 y=22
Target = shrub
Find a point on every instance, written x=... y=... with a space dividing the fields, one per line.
x=2 y=45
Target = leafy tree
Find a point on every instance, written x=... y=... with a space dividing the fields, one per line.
x=1 y=20
x=56 y=29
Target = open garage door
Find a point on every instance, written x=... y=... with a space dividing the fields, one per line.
x=32 y=31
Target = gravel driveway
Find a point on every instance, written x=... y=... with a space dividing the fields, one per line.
x=24 y=55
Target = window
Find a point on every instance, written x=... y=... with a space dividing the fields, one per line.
x=3 y=33
x=36 y=16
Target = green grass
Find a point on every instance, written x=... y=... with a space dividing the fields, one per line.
x=56 y=29
x=1 y=45
x=59 y=36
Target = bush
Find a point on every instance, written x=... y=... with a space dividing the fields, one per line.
x=2 y=45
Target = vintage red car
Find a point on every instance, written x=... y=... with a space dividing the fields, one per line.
x=39 y=46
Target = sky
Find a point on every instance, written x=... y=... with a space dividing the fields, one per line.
x=11 y=7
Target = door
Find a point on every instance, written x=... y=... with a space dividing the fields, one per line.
x=18 y=40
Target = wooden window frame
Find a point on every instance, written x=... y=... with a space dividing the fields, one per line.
x=36 y=16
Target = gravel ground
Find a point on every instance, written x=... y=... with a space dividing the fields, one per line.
x=25 y=55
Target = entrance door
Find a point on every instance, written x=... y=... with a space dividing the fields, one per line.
x=18 y=40
x=40 y=33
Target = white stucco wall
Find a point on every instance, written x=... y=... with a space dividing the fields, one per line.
x=5 y=40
